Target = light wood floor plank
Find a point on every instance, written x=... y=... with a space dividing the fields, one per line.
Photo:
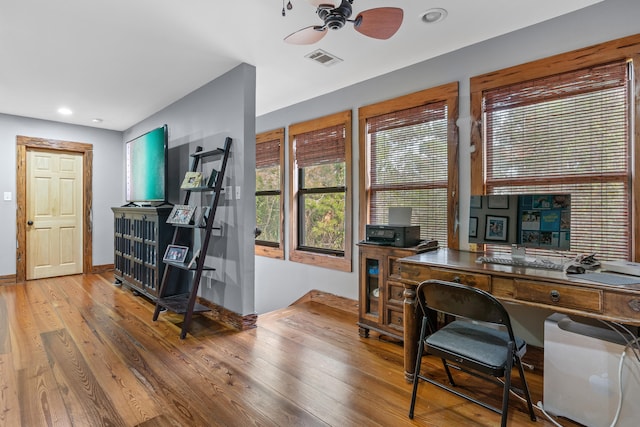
x=148 y=365
x=84 y=398
x=41 y=402
x=120 y=382
x=39 y=397
x=9 y=404
x=79 y=351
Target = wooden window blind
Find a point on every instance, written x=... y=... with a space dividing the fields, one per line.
x=320 y=198
x=269 y=194
x=320 y=146
x=268 y=154
x=320 y=156
x=567 y=133
x=409 y=167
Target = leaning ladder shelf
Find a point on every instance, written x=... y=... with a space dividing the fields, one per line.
x=186 y=303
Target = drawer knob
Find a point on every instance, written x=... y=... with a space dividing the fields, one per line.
x=457 y=279
x=555 y=296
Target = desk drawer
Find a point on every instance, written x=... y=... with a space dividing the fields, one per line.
x=623 y=306
x=480 y=281
x=395 y=319
x=396 y=293
x=552 y=294
x=393 y=267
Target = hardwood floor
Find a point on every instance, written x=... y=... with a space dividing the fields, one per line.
x=78 y=351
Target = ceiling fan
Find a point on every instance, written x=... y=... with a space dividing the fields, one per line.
x=379 y=23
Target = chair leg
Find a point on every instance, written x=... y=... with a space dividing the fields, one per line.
x=416 y=374
x=448 y=371
x=507 y=383
x=525 y=389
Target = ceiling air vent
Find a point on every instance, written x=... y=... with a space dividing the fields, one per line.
x=323 y=57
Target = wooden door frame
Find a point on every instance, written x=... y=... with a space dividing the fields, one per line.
x=26 y=143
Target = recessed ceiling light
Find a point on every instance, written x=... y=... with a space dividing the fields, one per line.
x=434 y=15
x=97 y=120
x=65 y=111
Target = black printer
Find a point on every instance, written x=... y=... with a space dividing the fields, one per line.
x=400 y=236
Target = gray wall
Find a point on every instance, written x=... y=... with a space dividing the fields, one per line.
x=108 y=175
x=221 y=108
x=282 y=282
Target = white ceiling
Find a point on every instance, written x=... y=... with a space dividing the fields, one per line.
x=123 y=60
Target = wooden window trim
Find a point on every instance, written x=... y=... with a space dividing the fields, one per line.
x=341 y=263
x=619 y=49
x=447 y=93
x=276 y=252
x=27 y=143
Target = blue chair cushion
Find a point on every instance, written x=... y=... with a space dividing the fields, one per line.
x=474 y=345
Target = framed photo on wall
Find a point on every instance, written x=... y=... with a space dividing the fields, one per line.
x=498 y=201
x=475 y=202
x=496 y=228
x=473 y=226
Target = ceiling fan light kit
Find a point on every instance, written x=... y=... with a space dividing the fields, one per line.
x=378 y=23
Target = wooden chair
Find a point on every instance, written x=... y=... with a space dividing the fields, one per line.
x=480 y=349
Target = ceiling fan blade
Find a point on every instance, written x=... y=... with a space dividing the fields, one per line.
x=308 y=35
x=317 y=3
x=379 y=23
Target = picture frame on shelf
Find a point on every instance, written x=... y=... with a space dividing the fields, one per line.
x=194 y=259
x=181 y=214
x=175 y=253
x=200 y=216
x=212 y=178
x=192 y=180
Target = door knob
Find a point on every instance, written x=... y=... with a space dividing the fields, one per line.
x=29 y=222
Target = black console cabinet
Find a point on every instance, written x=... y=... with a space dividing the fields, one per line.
x=141 y=236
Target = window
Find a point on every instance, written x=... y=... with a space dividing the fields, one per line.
x=563 y=124
x=269 y=194
x=408 y=156
x=320 y=171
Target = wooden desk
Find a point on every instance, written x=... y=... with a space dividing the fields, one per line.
x=528 y=286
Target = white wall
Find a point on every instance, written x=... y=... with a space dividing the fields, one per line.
x=282 y=282
x=108 y=175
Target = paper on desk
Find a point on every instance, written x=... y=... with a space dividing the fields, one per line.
x=399 y=216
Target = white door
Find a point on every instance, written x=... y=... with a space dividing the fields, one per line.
x=54 y=214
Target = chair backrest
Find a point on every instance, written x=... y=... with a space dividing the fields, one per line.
x=463 y=301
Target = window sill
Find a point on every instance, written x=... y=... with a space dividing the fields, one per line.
x=269 y=252
x=321 y=260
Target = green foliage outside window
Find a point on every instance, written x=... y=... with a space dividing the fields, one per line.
x=324 y=210
x=268 y=203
